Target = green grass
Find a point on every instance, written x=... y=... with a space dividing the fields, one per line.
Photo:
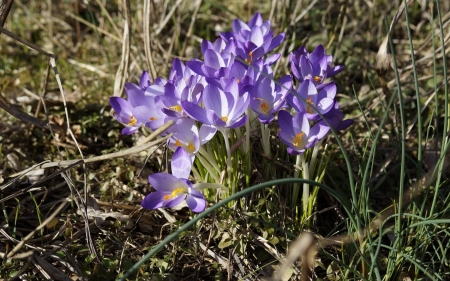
x=399 y=137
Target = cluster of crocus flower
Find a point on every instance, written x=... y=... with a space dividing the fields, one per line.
x=233 y=85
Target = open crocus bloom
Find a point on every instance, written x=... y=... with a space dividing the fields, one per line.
x=297 y=134
x=223 y=109
x=311 y=101
x=172 y=189
x=267 y=98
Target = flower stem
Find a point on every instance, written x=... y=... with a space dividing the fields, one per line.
x=312 y=163
x=265 y=138
x=305 y=197
x=228 y=161
x=296 y=185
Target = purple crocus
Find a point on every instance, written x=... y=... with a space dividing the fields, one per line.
x=296 y=132
x=223 y=108
x=172 y=189
x=315 y=65
x=335 y=117
x=123 y=108
x=217 y=62
x=187 y=136
x=312 y=102
x=253 y=40
x=123 y=113
x=150 y=113
x=267 y=98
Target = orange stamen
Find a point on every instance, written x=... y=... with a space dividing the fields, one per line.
x=250 y=54
x=133 y=121
x=174 y=193
x=176 y=108
x=309 y=104
x=190 y=148
x=224 y=119
x=318 y=79
x=298 y=139
x=264 y=106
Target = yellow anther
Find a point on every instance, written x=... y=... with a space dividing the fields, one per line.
x=224 y=119
x=176 y=108
x=264 y=106
x=190 y=148
x=178 y=143
x=152 y=118
x=250 y=54
x=133 y=121
x=318 y=79
x=298 y=139
x=309 y=104
x=174 y=193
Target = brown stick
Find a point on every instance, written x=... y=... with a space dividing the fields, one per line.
x=5 y=7
x=19 y=114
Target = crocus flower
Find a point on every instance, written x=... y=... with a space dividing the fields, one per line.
x=217 y=63
x=123 y=113
x=172 y=189
x=335 y=117
x=312 y=102
x=223 y=109
x=315 y=65
x=150 y=113
x=123 y=108
x=187 y=136
x=296 y=132
x=253 y=40
x=267 y=98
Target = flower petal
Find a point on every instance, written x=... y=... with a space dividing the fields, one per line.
x=181 y=164
x=164 y=182
x=153 y=200
x=196 y=201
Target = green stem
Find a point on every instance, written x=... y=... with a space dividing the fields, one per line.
x=296 y=188
x=265 y=139
x=305 y=196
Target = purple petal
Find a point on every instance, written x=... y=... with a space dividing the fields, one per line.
x=129 y=130
x=197 y=67
x=272 y=59
x=276 y=41
x=164 y=182
x=196 y=112
x=216 y=100
x=135 y=95
x=153 y=200
x=332 y=71
x=285 y=122
x=175 y=201
x=213 y=59
x=238 y=122
x=120 y=105
x=305 y=66
x=206 y=133
x=196 y=201
x=238 y=25
x=181 y=164
x=144 y=82
x=320 y=130
x=256 y=20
